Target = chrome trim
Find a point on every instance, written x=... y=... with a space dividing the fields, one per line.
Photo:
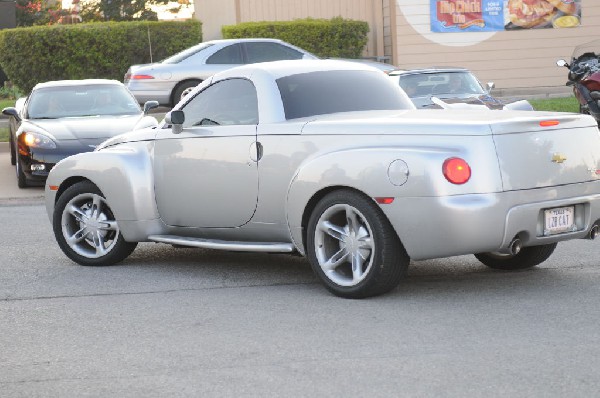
x=224 y=245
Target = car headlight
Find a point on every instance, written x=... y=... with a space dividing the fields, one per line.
x=37 y=140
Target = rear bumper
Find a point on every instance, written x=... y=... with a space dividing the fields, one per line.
x=465 y=224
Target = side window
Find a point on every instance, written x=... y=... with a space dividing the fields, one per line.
x=228 y=102
x=227 y=55
x=265 y=52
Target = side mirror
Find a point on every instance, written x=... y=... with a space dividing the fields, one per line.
x=149 y=105
x=490 y=86
x=562 y=62
x=10 y=111
x=176 y=119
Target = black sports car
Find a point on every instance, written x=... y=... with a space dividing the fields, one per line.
x=62 y=118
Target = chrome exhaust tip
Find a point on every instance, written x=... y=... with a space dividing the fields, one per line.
x=515 y=246
x=594 y=232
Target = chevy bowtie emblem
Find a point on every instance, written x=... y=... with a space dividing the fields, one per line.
x=558 y=158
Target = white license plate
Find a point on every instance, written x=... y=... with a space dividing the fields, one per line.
x=558 y=220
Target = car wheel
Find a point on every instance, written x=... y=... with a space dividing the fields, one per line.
x=21 y=179
x=13 y=150
x=353 y=248
x=183 y=89
x=526 y=258
x=85 y=227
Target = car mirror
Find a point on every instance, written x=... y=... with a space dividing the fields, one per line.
x=175 y=119
x=490 y=86
x=149 y=105
x=10 y=111
x=562 y=62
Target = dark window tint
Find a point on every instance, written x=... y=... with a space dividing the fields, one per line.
x=228 y=55
x=228 y=102
x=265 y=52
x=319 y=93
x=185 y=54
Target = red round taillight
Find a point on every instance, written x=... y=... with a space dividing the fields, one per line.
x=456 y=170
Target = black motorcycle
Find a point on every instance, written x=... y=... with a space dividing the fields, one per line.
x=584 y=76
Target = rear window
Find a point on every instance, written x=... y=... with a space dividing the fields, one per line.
x=325 y=92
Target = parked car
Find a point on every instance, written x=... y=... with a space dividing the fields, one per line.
x=61 y=118
x=331 y=159
x=169 y=80
x=452 y=86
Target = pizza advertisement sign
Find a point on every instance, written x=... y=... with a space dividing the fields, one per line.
x=448 y=16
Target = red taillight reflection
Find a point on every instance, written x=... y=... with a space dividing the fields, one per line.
x=549 y=123
x=141 y=77
x=456 y=170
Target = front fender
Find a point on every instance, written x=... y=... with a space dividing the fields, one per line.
x=123 y=173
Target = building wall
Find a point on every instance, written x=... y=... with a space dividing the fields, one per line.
x=519 y=62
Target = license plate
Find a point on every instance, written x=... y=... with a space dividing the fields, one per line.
x=558 y=220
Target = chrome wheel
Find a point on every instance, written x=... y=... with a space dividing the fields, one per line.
x=343 y=245
x=88 y=226
x=352 y=247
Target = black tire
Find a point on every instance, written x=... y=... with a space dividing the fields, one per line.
x=526 y=258
x=96 y=243
x=176 y=97
x=21 y=179
x=13 y=150
x=364 y=234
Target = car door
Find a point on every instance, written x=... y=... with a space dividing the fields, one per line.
x=207 y=176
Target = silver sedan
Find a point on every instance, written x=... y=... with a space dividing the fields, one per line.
x=169 y=80
x=330 y=159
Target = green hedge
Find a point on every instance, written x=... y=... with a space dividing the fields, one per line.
x=94 y=50
x=336 y=37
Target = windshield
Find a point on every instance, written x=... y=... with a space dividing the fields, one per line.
x=440 y=83
x=592 y=47
x=81 y=100
x=319 y=93
x=188 y=52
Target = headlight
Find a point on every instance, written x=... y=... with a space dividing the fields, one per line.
x=36 y=140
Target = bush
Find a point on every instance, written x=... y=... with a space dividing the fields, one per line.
x=336 y=37
x=94 y=50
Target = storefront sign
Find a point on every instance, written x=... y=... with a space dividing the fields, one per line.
x=495 y=15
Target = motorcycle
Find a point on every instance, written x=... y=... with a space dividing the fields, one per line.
x=584 y=76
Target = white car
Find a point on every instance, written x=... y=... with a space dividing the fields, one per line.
x=330 y=159
x=169 y=80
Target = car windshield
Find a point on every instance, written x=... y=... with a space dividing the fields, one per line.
x=188 y=52
x=440 y=84
x=325 y=92
x=81 y=100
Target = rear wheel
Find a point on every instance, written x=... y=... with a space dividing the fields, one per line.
x=183 y=88
x=526 y=258
x=353 y=248
x=85 y=227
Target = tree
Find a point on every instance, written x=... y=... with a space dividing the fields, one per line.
x=122 y=10
x=38 y=12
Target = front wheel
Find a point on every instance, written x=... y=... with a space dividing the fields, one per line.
x=353 y=248
x=526 y=258
x=21 y=179
x=85 y=227
x=13 y=151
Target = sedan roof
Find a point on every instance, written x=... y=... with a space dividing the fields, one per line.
x=82 y=82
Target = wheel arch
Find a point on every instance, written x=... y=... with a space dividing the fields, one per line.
x=124 y=176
